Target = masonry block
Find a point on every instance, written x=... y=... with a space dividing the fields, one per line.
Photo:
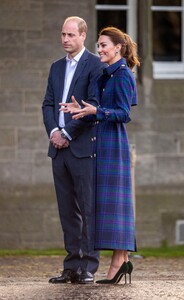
x=170 y=170
x=42 y=50
x=12 y=101
x=12 y=38
x=18 y=120
x=20 y=79
x=7 y=154
x=16 y=172
x=7 y=138
x=20 y=19
x=156 y=143
x=31 y=138
x=156 y=213
x=33 y=215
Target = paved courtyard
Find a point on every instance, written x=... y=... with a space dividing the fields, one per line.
x=27 y=277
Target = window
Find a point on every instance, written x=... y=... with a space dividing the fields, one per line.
x=168 y=39
x=118 y=13
x=180 y=232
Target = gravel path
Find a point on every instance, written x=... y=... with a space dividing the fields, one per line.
x=27 y=278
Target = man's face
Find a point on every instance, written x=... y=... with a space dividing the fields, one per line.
x=72 y=41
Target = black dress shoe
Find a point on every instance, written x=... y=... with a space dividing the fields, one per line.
x=65 y=277
x=85 y=277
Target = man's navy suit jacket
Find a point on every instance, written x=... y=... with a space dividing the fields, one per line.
x=82 y=132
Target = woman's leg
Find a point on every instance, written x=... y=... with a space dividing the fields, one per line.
x=118 y=258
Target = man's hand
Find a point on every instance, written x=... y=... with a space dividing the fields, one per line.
x=58 y=141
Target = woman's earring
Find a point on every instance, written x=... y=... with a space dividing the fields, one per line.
x=116 y=53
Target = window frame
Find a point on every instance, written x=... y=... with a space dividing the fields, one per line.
x=170 y=70
x=131 y=9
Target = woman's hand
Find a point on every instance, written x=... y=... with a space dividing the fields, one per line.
x=87 y=110
x=70 y=107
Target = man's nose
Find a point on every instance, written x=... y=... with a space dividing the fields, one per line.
x=65 y=38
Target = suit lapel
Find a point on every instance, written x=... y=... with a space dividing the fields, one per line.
x=80 y=66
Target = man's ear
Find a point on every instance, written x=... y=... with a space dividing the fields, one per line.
x=83 y=34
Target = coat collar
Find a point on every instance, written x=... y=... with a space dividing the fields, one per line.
x=112 y=68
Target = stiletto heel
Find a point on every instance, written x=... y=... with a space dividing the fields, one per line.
x=130 y=280
x=117 y=277
x=130 y=269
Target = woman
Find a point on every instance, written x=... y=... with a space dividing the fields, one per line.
x=116 y=91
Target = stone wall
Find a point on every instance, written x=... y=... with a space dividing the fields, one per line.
x=29 y=42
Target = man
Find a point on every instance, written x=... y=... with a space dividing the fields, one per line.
x=71 y=149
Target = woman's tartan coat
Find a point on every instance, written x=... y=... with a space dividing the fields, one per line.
x=114 y=224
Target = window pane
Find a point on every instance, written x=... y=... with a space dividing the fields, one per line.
x=116 y=18
x=166 y=3
x=112 y=2
x=167 y=36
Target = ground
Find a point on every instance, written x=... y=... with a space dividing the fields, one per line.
x=26 y=277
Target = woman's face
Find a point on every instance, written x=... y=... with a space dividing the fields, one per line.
x=108 y=52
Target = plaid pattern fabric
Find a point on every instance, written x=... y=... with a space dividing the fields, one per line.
x=114 y=227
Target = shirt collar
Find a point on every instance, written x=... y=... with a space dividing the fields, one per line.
x=112 y=68
x=77 y=57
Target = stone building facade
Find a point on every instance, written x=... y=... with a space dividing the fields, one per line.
x=29 y=42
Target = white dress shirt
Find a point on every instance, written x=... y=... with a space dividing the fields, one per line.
x=71 y=65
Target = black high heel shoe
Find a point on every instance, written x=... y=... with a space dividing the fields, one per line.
x=130 y=269
x=117 y=277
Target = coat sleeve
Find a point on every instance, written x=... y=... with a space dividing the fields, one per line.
x=48 y=105
x=124 y=91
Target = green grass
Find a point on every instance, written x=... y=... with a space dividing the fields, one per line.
x=31 y=252
x=164 y=251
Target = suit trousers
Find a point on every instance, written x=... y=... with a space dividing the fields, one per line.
x=74 y=185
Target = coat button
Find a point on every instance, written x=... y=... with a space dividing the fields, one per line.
x=112 y=75
x=94 y=155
